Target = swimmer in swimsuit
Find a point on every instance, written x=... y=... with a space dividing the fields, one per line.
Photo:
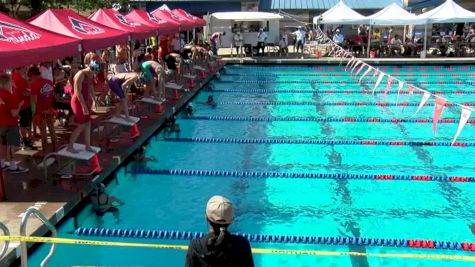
x=174 y=65
x=81 y=104
x=151 y=69
x=120 y=84
x=103 y=203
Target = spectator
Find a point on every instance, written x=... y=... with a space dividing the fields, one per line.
x=283 y=47
x=46 y=70
x=214 y=39
x=219 y=247
x=22 y=90
x=238 y=43
x=396 y=44
x=300 y=39
x=338 y=37
x=471 y=36
x=261 y=41
x=9 y=132
x=409 y=46
x=43 y=96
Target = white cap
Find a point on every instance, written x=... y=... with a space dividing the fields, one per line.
x=219 y=210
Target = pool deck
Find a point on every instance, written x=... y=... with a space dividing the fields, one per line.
x=56 y=200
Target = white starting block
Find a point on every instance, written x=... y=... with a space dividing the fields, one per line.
x=152 y=101
x=122 y=121
x=189 y=76
x=175 y=87
x=199 y=68
x=81 y=155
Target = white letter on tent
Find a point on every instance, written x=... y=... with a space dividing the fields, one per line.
x=424 y=99
x=365 y=73
x=401 y=85
x=380 y=78
x=464 y=116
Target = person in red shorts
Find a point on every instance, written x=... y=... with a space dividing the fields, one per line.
x=9 y=131
x=81 y=103
x=43 y=95
x=22 y=90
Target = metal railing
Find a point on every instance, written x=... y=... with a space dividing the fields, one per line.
x=6 y=232
x=24 y=248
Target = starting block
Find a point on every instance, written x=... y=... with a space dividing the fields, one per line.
x=175 y=87
x=81 y=155
x=158 y=103
x=191 y=80
x=122 y=121
x=201 y=71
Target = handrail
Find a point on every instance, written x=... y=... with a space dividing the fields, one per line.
x=5 y=230
x=24 y=249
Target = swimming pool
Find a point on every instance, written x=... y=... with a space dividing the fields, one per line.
x=319 y=102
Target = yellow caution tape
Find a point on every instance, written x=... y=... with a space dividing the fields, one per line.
x=57 y=240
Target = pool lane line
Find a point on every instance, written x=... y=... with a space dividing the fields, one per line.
x=308 y=91
x=88 y=242
x=287 y=239
x=300 y=175
x=339 y=74
x=316 y=142
x=339 y=82
x=319 y=68
x=312 y=103
x=314 y=119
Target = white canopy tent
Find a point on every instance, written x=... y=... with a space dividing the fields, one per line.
x=340 y=14
x=246 y=16
x=448 y=12
x=395 y=15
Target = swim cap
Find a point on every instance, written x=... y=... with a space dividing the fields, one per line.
x=219 y=210
x=95 y=66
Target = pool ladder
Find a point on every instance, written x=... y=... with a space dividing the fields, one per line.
x=24 y=249
x=5 y=231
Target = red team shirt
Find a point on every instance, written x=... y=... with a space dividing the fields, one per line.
x=20 y=87
x=44 y=91
x=7 y=103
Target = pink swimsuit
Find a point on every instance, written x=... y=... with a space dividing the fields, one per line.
x=79 y=116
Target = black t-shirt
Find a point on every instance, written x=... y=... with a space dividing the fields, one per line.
x=234 y=251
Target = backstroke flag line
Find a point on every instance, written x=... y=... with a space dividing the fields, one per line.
x=424 y=99
x=464 y=116
x=439 y=108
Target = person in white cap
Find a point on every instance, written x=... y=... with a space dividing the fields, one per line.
x=219 y=247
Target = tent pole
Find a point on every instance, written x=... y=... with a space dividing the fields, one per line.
x=369 y=41
x=424 y=52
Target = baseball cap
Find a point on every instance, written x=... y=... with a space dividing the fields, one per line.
x=219 y=210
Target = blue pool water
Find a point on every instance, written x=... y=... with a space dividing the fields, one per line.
x=309 y=207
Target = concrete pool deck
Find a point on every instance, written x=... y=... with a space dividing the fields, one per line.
x=57 y=200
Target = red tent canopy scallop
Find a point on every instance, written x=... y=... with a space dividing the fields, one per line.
x=23 y=44
x=185 y=25
x=67 y=22
x=198 y=22
x=114 y=19
x=164 y=26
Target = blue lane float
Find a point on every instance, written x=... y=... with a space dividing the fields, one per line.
x=304 y=91
x=421 y=83
x=285 y=239
x=314 y=119
x=313 y=103
x=300 y=175
x=315 y=142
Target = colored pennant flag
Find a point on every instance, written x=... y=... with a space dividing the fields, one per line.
x=365 y=73
x=360 y=69
x=356 y=65
x=410 y=92
x=380 y=78
x=349 y=63
x=388 y=85
x=464 y=116
x=439 y=107
x=399 y=88
x=424 y=99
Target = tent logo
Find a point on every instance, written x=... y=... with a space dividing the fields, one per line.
x=124 y=21
x=84 y=27
x=175 y=17
x=156 y=20
x=16 y=34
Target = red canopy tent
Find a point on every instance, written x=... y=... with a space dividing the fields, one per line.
x=185 y=25
x=67 y=22
x=22 y=44
x=114 y=19
x=198 y=22
x=164 y=26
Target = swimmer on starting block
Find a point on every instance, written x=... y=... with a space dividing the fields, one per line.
x=120 y=84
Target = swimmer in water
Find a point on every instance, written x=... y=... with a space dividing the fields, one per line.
x=211 y=102
x=103 y=203
x=171 y=126
x=188 y=111
x=140 y=156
